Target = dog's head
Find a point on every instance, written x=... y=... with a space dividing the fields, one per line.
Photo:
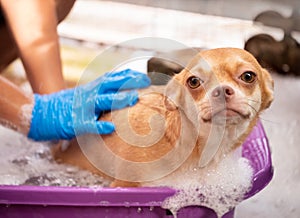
x=227 y=85
x=221 y=91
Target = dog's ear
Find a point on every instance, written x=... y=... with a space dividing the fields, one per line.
x=268 y=89
x=172 y=95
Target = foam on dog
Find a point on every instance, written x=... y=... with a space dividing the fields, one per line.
x=220 y=188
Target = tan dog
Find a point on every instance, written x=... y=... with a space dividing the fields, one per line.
x=203 y=113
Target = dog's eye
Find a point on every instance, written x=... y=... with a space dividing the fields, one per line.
x=194 y=82
x=248 y=77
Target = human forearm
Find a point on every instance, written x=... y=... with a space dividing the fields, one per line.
x=33 y=25
x=15 y=106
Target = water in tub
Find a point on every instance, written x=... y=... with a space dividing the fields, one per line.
x=24 y=162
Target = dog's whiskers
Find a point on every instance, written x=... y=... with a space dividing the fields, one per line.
x=253 y=108
x=249 y=99
x=269 y=121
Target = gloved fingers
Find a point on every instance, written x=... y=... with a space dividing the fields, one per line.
x=105 y=127
x=94 y=127
x=126 y=79
x=115 y=101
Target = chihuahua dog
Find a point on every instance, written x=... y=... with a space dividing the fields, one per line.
x=203 y=113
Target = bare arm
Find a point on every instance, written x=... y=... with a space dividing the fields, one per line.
x=12 y=102
x=33 y=25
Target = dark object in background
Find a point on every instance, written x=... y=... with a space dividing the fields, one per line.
x=163 y=66
x=161 y=70
x=281 y=56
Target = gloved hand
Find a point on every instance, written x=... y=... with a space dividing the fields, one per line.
x=71 y=112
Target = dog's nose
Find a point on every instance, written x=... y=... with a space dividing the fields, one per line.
x=223 y=91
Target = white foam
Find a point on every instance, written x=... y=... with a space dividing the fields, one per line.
x=220 y=188
x=26 y=115
x=24 y=162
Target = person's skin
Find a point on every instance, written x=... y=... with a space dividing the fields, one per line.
x=65 y=114
x=12 y=100
x=30 y=32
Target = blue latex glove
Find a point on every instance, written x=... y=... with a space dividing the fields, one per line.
x=71 y=112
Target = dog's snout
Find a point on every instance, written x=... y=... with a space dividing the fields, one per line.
x=223 y=91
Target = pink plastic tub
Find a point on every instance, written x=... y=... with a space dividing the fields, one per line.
x=56 y=202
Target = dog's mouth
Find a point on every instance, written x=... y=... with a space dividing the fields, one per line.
x=225 y=114
x=230 y=112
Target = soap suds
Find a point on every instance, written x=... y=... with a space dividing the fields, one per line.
x=26 y=115
x=25 y=162
x=220 y=188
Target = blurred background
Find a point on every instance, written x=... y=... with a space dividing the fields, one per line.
x=94 y=26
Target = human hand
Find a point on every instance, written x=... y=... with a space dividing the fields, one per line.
x=71 y=112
